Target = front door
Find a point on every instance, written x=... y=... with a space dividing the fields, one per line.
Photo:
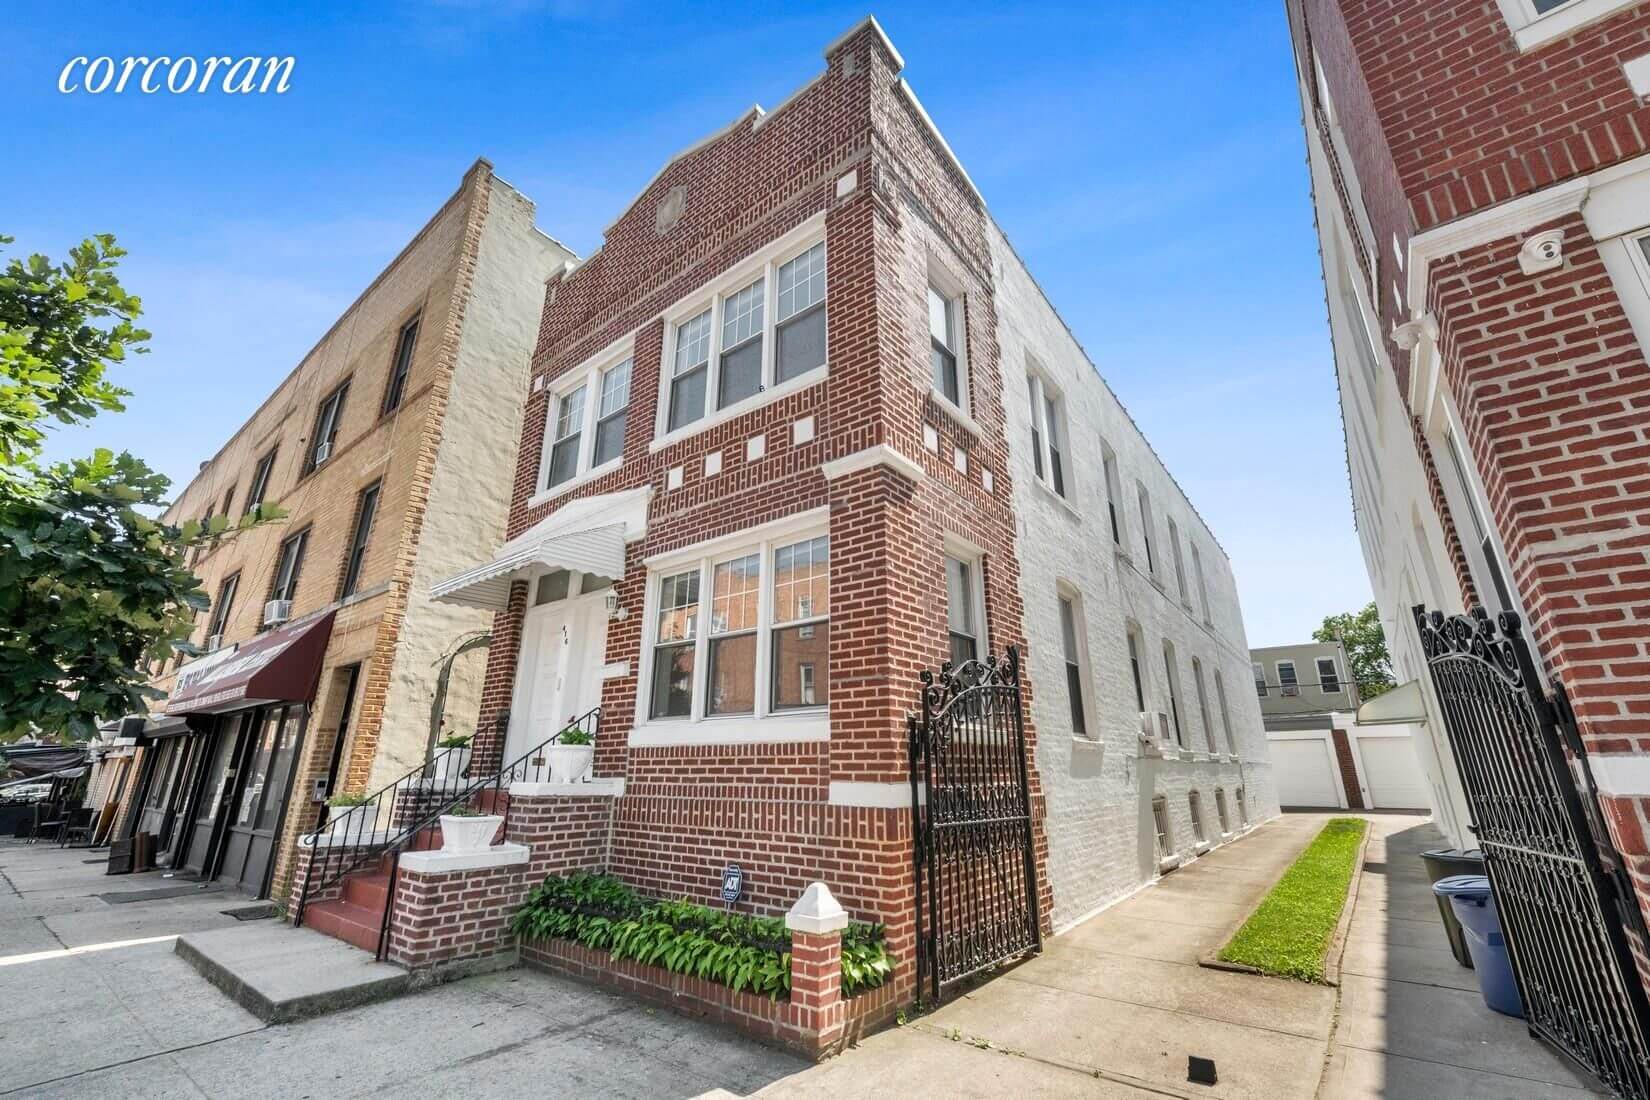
x=218 y=787
x=267 y=761
x=559 y=676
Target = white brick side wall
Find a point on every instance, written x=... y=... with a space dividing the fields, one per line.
x=1100 y=826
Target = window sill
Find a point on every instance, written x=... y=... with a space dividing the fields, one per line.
x=1056 y=498
x=813 y=725
x=739 y=408
x=956 y=414
x=1561 y=22
x=545 y=496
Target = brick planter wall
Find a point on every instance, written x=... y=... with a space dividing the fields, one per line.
x=453 y=916
x=565 y=832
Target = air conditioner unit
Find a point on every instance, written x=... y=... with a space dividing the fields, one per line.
x=214 y=643
x=1154 y=727
x=323 y=451
x=277 y=611
x=1289 y=691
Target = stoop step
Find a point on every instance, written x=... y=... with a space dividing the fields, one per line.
x=279 y=973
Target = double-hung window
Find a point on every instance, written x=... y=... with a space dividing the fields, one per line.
x=1179 y=563
x=1114 y=493
x=366 y=507
x=1048 y=434
x=1146 y=527
x=291 y=563
x=1329 y=678
x=1260 y=679
x=1074 y=665
x=1203 y=705
x=224 y=605
x=745 y=633
x=1202 y=584
x=1288 y=686
x=1225 y=712
x=963 y=609
x=945 y=340
x=764 y=325
x=260 y=480
x=401 y=365
x=587 y=414
x=1172 y=673
x=327 y=418
x=1135 y=671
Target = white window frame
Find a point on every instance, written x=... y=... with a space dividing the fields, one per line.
x=1259 y=671
x=952 y=290
x=1284 y=690
x=1340 y=681
x=973 y=556
x=1143 y=496
x=1045 y=397
x=588 y=374
x=1194 y=808
x=1179 y=563
x=1172 y=694
x=1202 y=582
x=763 y=264
x=1116 y=517
x=1531 y=29
x=765 y=725
x=1069 y=595
x=1225 y=714
x=1134 y=657
x=1203 y=712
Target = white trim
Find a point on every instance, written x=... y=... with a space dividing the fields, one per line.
x=440 y=862
x=868 y=21
x=884 y=796
x=1621 y=775
x=1531 y=30
x=816 y=912
x=773 y=529
x=596 y=788
x=615 y=670
x=880 y=455
x=784 y=728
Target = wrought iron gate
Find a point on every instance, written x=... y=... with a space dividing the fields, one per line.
x=1564 y=898
x=971 y=822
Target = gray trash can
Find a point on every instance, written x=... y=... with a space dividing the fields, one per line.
x=1441 y=864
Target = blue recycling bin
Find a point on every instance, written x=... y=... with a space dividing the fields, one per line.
x=1474 y=905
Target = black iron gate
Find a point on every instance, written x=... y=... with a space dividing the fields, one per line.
x=1565 y=902
x=971 y=804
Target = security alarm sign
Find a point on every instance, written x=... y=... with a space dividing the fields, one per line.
x=733 y=883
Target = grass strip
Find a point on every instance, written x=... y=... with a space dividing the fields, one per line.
x=1289 y=932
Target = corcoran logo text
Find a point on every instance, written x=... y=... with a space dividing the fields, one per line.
x=176 y=75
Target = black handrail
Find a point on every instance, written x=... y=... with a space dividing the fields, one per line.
x=400 y=815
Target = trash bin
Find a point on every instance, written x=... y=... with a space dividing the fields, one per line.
x=1475 y=909
x=1441 y=864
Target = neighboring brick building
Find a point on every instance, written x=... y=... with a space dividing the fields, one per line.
x=1482 y=189
x=769 y=474
x=386 y=448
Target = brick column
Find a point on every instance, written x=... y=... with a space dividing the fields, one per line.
x=455 y=908
x=816 y=922
x=1348 y=768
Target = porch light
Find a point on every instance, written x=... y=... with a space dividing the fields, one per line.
x=614 y=611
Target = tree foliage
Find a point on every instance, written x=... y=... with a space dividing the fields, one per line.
x=92 y=588
x=1360 y=632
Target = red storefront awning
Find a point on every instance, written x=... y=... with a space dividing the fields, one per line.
x=283 y=666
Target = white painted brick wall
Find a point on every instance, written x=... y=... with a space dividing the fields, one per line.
x=1100 y=828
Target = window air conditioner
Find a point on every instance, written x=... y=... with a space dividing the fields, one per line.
x=277 y=611
x=214 y=643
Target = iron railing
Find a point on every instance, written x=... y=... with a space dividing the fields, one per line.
x=403 y=815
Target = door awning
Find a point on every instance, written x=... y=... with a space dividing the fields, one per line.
x=587 y=535
x=282 y=666
x=1402 y=704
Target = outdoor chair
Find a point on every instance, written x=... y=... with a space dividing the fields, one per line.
x=77 y=824
x=48 y=820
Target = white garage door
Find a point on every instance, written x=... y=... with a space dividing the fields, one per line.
x=1393 y=774
x=1303 y=772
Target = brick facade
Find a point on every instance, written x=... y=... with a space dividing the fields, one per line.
x=438 y=919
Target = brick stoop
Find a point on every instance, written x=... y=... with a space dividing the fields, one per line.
x=357 y=916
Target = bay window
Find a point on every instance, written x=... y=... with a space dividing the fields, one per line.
x=586 y=417
x=763 y=325
x=763 y=646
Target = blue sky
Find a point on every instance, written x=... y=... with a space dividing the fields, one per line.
x=1146 y=161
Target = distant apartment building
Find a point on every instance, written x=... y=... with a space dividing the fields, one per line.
x=1322 y=756
x=1481 y=179
x=389 y=449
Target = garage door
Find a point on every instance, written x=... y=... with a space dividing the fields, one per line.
x=1393 y=774
x=1303 y=772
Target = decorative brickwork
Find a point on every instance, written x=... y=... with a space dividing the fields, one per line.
x=1348 y=769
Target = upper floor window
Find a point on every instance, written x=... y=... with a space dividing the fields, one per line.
x=746 y=634
x=1225 y=713
x=288 y=567
x=401 y=365
x=229 y=504
x=585 y=434
x=222 y=607
x=1114 y=494
x=945 y=343
x=1135 y=671
x=1179 y=563
x=260 y=480
x=1146 y=527
x=1260 y=679
x=1070 y=647
x=963 y=614
x=327 y=419
x=1202 y=584
x=763 y=326
x=1203 y=705
x=366 y=508
x=1537 y=22
x=1048 y=434
x=1288 y=686
x=1329 y=678
x=1172 y=673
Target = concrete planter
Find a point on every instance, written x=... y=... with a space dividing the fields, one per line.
x=570 y=763
x=450 y=771
x=468 y=834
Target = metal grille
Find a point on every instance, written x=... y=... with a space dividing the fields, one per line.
x=971 y=805
x=1564 y=900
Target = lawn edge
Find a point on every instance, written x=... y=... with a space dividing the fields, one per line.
x=1333 y=950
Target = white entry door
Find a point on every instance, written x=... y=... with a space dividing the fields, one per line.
x=558 y=677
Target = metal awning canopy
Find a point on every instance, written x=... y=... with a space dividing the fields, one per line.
x=1400 y=705
x=587 y=535
x=283 y=665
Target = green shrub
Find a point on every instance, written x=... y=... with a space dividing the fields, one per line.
x=573 y=735
x=737 y=950
x=454 y=741
x=342 y=801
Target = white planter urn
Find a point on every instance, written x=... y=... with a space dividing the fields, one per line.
x=570 y=763
x=347 y=821
x=450 y=770
x=468 y=834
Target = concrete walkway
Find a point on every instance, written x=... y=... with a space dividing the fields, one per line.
x=1115 y=1006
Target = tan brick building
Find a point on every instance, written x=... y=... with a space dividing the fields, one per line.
x=389 y=448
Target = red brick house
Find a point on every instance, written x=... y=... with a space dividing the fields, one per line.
x=1482 y=189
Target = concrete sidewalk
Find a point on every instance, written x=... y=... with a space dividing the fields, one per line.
x=1115 y=1006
